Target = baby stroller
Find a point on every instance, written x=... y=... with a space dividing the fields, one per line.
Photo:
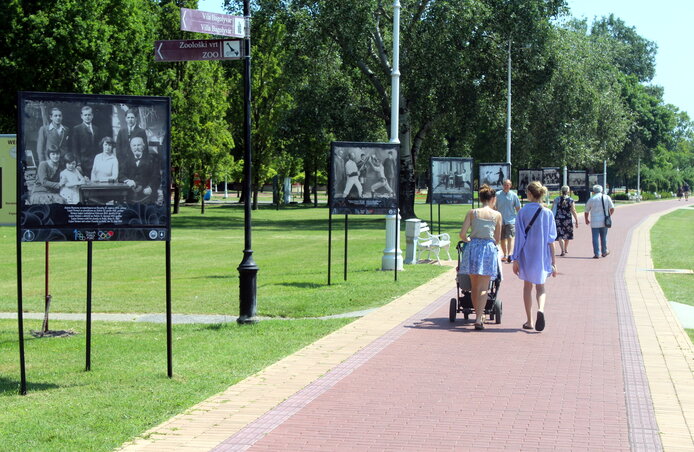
x=463 y=301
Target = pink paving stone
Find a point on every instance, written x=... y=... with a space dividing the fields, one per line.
x=433 y=385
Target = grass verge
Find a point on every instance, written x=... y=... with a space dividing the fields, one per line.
x=671 y=248
x=127 y=391
x=290 y=247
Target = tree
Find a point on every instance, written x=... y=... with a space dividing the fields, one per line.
x=201 y=141
x=92 y=46
x=440 y=63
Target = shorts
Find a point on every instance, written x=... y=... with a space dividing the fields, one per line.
x=508 y=231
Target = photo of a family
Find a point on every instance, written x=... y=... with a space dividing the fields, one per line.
x=112 y=156
x=82 y=151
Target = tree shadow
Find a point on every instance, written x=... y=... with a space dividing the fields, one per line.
x=301 y=285
x=10 y=387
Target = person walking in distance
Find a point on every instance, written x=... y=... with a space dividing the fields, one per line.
x=533 y=254
x=564 y=209
x=508 y=204
x=598 y=214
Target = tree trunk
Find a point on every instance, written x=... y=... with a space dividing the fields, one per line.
x=177 y=198
x=190 y=197
x=307 y=183
x=407 y=179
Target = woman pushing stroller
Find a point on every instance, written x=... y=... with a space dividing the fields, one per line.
x=480 y=257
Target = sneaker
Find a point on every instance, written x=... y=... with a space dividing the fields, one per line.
x=596 y=257
x=605 y=253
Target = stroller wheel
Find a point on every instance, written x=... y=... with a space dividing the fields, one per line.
x=453 y=309
x=497 y=311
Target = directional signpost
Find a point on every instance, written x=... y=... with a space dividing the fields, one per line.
x=213 y=23
x=198 y=50
x=225 y=49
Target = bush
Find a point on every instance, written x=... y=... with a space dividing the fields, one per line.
x=647 y=196
x=620 y=197
x=665 y=194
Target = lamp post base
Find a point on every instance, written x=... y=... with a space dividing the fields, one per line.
x=248 y=271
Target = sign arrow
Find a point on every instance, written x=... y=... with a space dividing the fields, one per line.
x=161 y=57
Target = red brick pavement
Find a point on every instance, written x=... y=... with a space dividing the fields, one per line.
x=433 y=385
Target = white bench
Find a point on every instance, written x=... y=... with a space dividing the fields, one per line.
x=433 y=243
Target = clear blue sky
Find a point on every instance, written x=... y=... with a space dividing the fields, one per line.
x=669 y=23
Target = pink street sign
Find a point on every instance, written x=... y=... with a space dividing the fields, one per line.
x=213 y=23
x=198 y=50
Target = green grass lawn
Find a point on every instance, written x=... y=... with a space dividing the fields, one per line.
x=290 y=247
x=671 y=247
x=127 y=391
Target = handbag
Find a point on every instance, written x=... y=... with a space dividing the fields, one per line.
x=608 y=219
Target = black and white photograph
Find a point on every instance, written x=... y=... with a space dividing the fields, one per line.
x=364 y=178
x=551 y=178
x=577 y=180
x=525 y=176
x=93 y=167
x=451 y=180
x=596 y=179
x=494 y=174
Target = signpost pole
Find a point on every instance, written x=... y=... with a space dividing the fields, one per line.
x=248 y=269
x=88 y=357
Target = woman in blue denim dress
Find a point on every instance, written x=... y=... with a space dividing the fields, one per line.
x=480 y=257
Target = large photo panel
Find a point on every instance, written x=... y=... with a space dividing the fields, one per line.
x=525 y=176
x=551 y=178
x=451 y=180
x=578 y=180
x=494 y=174
x=93 y=167
x=364 y=178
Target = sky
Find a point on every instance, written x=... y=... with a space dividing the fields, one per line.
x=668 y=23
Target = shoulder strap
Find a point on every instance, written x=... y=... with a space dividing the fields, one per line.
x=527 y=228
x=602 y=199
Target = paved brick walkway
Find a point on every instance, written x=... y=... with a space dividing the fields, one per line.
x=427 y=384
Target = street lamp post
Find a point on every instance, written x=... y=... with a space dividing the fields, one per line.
x=508 y=109
x=248 y=269
x=392 y=256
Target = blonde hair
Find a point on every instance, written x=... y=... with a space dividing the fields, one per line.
x=537 y=189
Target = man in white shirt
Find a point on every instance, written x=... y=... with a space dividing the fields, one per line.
x=598 y=208
x=352 y=173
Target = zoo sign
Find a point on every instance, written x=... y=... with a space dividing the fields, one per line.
x=198 y=50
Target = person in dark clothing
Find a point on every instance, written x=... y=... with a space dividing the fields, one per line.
x=141 y=171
